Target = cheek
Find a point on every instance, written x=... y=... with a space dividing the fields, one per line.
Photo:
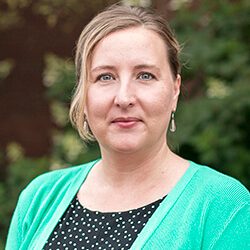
x=95 y=113
x=159 y=102
x=160 y=113
x=96 y=103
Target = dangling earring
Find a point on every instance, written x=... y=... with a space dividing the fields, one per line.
x=172 y=123
x=87 y=131
x=85 y=124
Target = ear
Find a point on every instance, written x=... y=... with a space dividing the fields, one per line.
x=176 y=91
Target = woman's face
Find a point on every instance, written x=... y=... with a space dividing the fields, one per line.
x=132 y=92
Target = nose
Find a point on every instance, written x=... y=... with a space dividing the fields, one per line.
x=125 y=95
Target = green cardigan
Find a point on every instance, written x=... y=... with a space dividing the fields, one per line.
x=205 y=210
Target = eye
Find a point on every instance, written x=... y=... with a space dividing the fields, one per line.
x=145 y=76
x=105 y=77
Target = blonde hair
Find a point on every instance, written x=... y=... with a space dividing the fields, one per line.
x=112 y=19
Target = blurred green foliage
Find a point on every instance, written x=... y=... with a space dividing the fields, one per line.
x=68 y=148
x=212 y=125
x=5 y=68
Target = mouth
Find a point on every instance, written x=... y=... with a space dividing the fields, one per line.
x=126 y=122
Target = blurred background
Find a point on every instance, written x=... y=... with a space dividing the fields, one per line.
x=37 y=46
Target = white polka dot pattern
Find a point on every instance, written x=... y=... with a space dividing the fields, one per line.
x=80 y=228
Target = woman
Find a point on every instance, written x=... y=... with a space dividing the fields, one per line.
x=139 y=195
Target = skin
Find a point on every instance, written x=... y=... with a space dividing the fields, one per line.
x=129 y=103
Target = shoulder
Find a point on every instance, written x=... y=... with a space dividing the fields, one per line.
x=55 y=179
x=220 y=187
x=40 y=198
x=224 y=208
x=49 y=178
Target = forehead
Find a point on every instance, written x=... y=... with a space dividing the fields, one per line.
x=136 y=43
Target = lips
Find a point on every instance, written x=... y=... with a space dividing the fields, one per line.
x=126 y=119
x=126 y=122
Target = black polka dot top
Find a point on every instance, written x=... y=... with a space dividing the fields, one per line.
x=80 y=228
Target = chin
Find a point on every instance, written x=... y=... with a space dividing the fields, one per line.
x=125 y=145
x=125 y=150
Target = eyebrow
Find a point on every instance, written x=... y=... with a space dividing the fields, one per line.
x=140 y=66
x=147 y=66
x=103 y=67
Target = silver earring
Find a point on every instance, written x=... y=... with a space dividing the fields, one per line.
x=172 y=123
x=88 y=133
x=85 y=124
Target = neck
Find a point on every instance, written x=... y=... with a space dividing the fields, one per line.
x=120 y=182
x=121 y=169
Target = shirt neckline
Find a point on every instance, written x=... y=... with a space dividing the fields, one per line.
x=122 y=212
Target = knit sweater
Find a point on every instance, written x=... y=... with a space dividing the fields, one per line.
x=205 y=210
